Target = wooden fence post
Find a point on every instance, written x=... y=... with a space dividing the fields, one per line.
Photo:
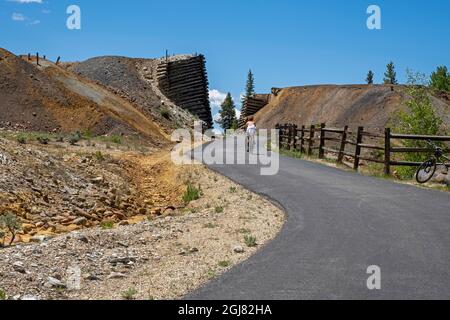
x=294 y=137
x=322 y=141
x=311 y=139
x=302 y=140
x=343 y=143
x=358 y=148
x=37 y=58
x=29 y=57
x=290 y=134
x=387 y=151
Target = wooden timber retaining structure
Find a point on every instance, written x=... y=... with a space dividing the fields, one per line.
x=251 y=106
x=307 y=139
x=185 y=83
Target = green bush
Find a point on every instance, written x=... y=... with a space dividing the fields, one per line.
x=419 y=119
x=116 y=139
x=2 y=295
x=224 y=264
x=250 y=241
x=440 y=79
x=21 y=139
x=129 y=294
x=192 y=193
x=9 y=222
x=99 y=156
x=107 y=225
x=219 y=209
x=74 y=138
x=43 y=139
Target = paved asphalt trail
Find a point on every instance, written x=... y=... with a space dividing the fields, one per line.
x=338 y=224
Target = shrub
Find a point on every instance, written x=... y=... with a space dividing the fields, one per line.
x=233 y=190
x=59 y=138
x=440 y=79
x=10 y=223
x=99 y=156
x=107 y=225
x=224 y=264
x=219 y=209
x=2 y=295
x=42 y=139
x=21 y=139
x=420 y=119
x=192 y=193
x=74 y=138
x=129 y=294
x=250 y=241
x=116 y=139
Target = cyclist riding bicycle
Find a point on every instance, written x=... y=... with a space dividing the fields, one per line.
x=250 y=133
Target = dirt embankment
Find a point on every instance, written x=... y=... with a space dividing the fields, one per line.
x=134 y=237
x=353 y=105
x=134 y=80
x=51 y=99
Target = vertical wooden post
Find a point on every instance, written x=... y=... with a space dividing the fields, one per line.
x=289 y=139
x=29 y=57
x=302 y=140
x=358 y=148
x=343 y=143
x=58 y=60
x=277 y=128
x=311 y=139
x=37 y=58
x=322 y=141
x=44 y=57
x=387 y=151
x=294 y=137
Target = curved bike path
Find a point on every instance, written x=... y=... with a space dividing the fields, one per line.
x=338 y=224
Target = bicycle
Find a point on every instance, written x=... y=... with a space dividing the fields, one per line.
x=427 y=170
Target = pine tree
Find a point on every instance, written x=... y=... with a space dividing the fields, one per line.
x=369 y=78
x=440 y=79
x=228 y=117
x=390 y=77
x=249 y=87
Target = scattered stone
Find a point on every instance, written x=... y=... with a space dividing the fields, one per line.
x=116 y=275
x=238 y=249
x=30 y=297
x=19 y=267
x=80 y=221
x=55 y=283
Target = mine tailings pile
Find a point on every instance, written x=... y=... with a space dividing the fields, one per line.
x=185 y=82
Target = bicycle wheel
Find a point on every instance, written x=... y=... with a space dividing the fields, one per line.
x=426 y=171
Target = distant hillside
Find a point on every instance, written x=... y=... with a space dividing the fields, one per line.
x=371 y=106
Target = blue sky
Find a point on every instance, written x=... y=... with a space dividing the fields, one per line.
x=284 y=42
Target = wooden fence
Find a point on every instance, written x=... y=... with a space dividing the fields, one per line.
x=306 y=140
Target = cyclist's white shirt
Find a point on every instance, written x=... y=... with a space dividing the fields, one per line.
x=251 y=130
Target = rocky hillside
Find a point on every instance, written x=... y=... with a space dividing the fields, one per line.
x=371 y=106
x=49 y=98
x=135 y=81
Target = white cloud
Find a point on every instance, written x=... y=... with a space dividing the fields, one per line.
x=26 y=1
x=238 y=113
x=35 y=22
x=18 y=17
x=216 y=98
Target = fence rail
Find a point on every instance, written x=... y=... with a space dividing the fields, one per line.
x=304 y=140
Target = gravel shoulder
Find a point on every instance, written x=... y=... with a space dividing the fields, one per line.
x=162 y=257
